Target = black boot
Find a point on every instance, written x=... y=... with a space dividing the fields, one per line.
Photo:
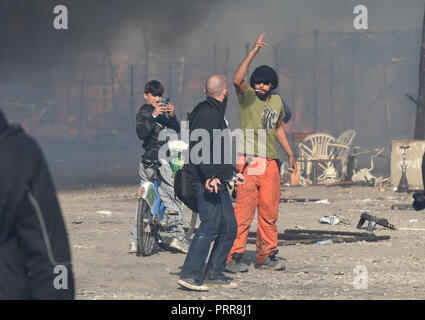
x=235 y=265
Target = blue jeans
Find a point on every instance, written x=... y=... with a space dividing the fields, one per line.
x=218 y=224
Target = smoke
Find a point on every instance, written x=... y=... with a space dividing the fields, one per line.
x=29 y=41
x=211 y=36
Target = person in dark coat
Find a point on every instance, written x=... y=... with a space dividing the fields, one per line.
x=35 y=258
x=210 y=172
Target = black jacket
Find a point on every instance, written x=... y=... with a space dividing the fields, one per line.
x=148 y=129
x=33 y=238
x=209 y=115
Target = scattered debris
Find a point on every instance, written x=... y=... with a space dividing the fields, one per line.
x=105 y=212
x=296 y=237
x=325 y=201
x=290 y=200
x=373 y=221
x=333 y=220
x=401 y=206
x=325 y=242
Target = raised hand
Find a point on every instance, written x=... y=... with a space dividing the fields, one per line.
x=260 y=44
x=170 y=108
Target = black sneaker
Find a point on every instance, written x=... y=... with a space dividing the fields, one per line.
x=192 y=284
x=233 y=267
x=222 y=280
x=272 y=263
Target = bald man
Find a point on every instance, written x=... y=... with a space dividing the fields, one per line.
x=209 y=175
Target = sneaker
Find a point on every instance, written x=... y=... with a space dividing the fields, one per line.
x=192 y=284
x=233 y=267
x=182 y=246
x=132 y=248
x=222 y=280
x=272 y=264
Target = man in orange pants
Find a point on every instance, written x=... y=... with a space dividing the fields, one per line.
x=261 y=114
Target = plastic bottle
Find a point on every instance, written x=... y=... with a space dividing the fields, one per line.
x=324 y=242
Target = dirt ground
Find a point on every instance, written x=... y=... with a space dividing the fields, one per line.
x=98 y=221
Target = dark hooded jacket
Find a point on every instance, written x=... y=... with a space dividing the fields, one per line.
x=35 y=259
x=209 y=115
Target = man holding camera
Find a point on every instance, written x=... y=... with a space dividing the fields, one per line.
x=153 y=117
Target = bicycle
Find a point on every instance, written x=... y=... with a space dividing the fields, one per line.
x=152 y=219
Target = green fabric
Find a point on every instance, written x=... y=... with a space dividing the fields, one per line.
x=259 y=122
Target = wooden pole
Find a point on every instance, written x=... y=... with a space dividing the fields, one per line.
x=419 y=133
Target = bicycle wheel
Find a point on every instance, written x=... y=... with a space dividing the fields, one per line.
x=191 y=228
x=146 y=229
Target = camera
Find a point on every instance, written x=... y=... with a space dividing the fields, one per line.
x=163 y=102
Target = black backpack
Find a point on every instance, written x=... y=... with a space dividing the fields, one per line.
x=183 y=178
x=183 y=188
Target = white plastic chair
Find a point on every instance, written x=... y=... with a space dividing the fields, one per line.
x=316 y=147
x=341 y=150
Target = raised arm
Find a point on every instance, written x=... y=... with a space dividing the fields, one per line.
x=238 y=80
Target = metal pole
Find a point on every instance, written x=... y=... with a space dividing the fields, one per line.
x=247 y=49
x=276 y=54
x=315 y=103
x=226 y=62
x=420 y=111
x=170 y=80
x=80 y=115
x=387 y=102
x=353 y=87
x=214 y=57
x=131 y=91
x=146 y=44
x=331 y=90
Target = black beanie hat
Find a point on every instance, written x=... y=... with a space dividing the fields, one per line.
x=265 y=73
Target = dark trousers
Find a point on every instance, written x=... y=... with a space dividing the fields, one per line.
x=218 y=224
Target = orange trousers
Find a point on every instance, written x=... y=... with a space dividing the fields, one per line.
x=261 y=189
